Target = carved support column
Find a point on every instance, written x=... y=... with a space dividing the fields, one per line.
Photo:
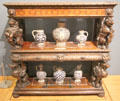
x=14 y=33
x=19 y=71
x=99 y=72
x=105 y=33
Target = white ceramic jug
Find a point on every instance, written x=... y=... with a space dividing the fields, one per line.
x=39 y=36
x=82 y=37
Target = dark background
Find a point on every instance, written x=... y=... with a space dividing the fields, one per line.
x=49 y=24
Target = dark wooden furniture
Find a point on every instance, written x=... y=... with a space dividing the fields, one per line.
x=96 y=51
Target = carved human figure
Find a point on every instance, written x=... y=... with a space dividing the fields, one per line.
x=106 y=32
x=19 y=71
x=99 y=72
x=14 y=34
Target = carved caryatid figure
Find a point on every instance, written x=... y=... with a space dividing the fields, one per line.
x=99 y=72
x=106 y=32
x=19 y=71
x=14 y=34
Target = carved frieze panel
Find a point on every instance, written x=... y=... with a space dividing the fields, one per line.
x=58 y=12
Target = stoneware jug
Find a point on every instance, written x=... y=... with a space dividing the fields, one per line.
x=41 y=75
x=82 y=37
x=78 y=74
x=59 y=75
x=61 y=35
x=39 y=36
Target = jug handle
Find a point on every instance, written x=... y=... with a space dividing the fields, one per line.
x=33 y=33
x=85 y=32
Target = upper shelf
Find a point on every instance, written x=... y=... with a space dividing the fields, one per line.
x=58 y=9
x=51 y=47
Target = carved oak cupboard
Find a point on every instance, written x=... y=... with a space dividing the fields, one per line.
x=95 y=18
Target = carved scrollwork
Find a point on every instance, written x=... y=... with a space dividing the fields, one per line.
x=99 y=72
x=19 y=71
x=105 y=34
x=14 y=34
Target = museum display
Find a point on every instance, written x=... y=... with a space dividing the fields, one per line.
x=59 y=48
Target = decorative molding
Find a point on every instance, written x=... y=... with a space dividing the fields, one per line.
x=61 y=57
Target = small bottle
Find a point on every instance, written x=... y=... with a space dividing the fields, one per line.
x=41 y=75
x=78 y=74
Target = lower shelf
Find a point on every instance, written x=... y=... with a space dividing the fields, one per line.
x=51 y=88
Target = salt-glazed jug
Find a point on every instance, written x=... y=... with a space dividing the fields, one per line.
x=61 y=35
x=78 y=74
x=59 y=75
x=39 y=36
x=41 y=75
x=82 y=37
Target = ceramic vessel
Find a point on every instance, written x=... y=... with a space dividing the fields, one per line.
x=59 y=75
x=78 y=74
x=41 y=75
x=39 y=36
x=61 y=35
x=82 y=37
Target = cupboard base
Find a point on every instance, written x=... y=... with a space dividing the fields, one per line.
x=49 y=88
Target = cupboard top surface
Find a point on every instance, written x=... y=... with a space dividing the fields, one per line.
x=57 y=3
x=61 y=4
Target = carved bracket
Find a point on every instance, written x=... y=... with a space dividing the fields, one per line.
x=14 y=34
x=105 y=34
x=19 y=71
x=99 y=72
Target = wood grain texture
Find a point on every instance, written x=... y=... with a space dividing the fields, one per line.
x=61 y=57
x=51 y=47
x=59 y=9
x=29 y=52
x=110 y=84
x=59 y=12
x=51 y=88
x=6 y=93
